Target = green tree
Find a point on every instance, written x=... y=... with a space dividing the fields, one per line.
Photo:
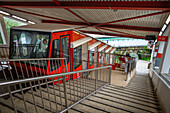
x=10 y=23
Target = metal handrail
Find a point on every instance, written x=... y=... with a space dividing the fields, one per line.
x=161 y=78
x=4 y=46
x=47 y=76
x=31 y=59
x=95 y=62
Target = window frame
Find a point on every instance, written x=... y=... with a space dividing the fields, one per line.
x=62 y=37
x=21 y=30
x=80 y=61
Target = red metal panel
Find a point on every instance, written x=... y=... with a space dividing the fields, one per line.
x=159 y=55
x=156 y=50
x=162 y=38
x=121 y=5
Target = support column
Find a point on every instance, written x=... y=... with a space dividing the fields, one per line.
x=3 y=31
x=165 y=62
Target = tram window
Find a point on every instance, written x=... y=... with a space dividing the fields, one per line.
x=77 y=57
x=100 y=58
x=107 y=58
x=55 y=53
x=65 y=51
x=28 y=44
x=91 y=57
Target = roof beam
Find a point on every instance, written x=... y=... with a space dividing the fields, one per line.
x=56 y=2
x=136 y=17
x=111 y=34
x=77 y=16
x=120 y=32
x=138 y=28
x=99 y=30
x=121 y=5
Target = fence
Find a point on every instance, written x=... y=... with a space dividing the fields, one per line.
x=15 y=69
x=4 y=51
x=50 y=93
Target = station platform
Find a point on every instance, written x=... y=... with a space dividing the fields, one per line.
x=135 y=95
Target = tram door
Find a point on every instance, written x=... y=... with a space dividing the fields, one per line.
x=59 y=49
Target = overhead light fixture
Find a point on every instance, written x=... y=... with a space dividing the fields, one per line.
x=164 y=27
x=19 y=18
x=31 y=22
x=160 y=33
x=168 y=20
x=5 y=13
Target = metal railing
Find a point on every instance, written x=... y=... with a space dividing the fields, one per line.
x=16 y=69
x=130 y=67
x=53 y=93
x=4 y=51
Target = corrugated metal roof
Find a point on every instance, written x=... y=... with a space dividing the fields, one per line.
x=107 y=15
x=151 y=21
x=135 y=32
x=95 y=16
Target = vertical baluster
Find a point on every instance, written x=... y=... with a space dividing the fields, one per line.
x=65 y=91
x=77 y=86
x=74 y=89
x=35 y=105
x=60 y=92
x=32 y=73
x=110 y=74
x=26 y=68
x=55 y=94
x=41 y=95
x=12 y=100
x=23 y=98
x=48 y=95
x=10 y=72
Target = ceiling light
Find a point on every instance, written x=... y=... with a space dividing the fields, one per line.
x=160 y=33
x=168 y=20
x=19 y=18
x=31 y=22
x=164 y=27
x=2 y=12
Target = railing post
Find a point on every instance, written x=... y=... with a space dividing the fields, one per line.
x=65 y=91
x=110 y=73
x=96 y=77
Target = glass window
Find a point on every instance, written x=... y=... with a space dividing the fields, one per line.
x=91 y=57
x=28 y=44
x=107 y=58
x=55 y=53
x=77 y=57
x=65 y=51
x=1 y=41
x=100 y=58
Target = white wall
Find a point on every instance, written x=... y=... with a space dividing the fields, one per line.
x=165 y=66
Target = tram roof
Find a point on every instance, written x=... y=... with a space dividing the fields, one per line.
x=44 y=27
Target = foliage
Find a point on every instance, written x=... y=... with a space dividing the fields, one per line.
x=10 y=23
